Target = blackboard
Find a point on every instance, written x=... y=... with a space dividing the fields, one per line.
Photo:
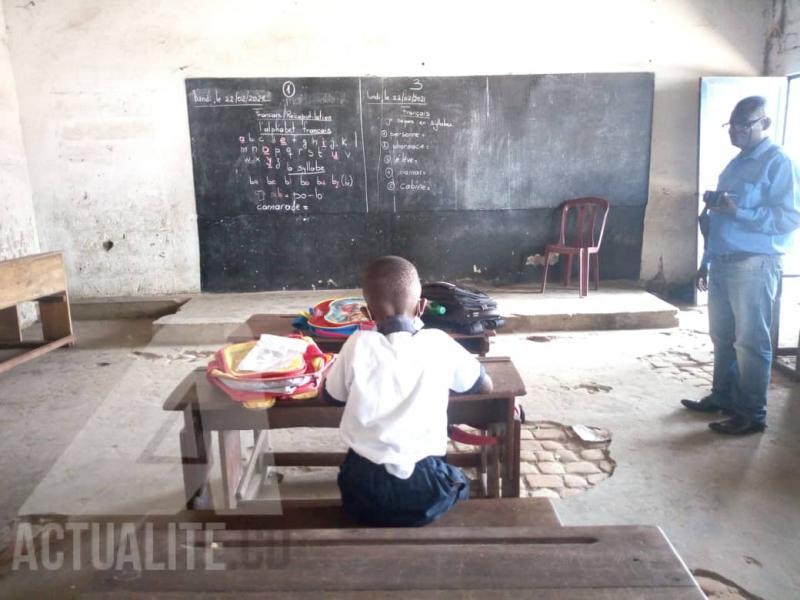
x=300 y=181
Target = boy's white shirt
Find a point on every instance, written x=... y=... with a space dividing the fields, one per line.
x=396 y=389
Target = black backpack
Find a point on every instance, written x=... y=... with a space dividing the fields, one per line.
x=467 y=310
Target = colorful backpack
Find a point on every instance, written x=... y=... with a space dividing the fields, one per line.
x=335 y=318
x=294 y=373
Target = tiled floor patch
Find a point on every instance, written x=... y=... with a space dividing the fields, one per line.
x=694 y=368
x=555 y=462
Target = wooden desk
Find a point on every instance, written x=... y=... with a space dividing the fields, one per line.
x=282 y=325
x=40 y=278
x=482 y=548
x=543 y=562
x=206 y=408
x=455 y=562
x=477 y=512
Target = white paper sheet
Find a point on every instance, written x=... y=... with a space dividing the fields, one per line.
x=271 y=352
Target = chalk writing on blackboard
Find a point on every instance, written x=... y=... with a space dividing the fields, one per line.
x=298 y=179
x=294 y=152
x=411 y=138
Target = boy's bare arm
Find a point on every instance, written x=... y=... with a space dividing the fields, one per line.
x=486 y=383
x=483 y=385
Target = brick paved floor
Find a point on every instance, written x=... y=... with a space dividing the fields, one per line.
x=555 y=462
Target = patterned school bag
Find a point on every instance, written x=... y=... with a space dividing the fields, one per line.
x=335 y=318
x=293 y=374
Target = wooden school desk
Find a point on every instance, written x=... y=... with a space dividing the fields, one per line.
x=40 y=278
x=514 y=548
x=464 y=562
x=282 y=325
x=206 y=409
x=620 y=562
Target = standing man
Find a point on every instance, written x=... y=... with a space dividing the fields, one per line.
x=751 y=219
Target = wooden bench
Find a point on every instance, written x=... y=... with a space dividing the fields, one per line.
x=476 y=512
x=40 y=278
x=282 y=325
x=207 y=409
x=467 y=558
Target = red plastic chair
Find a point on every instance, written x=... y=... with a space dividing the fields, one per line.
x=580 y=235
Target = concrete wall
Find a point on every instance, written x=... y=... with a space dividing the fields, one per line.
x=17 y=223
x=17 y=220
x=103 y=110
x=783 y=44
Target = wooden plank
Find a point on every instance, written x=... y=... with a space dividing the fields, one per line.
x=38 y=351
x=438 y=561
x=55 y=316
x=228 y=414
x=31 y=277
x=476 y=512
x=10 y=330
x=20 y=345
x=559 y=562
x=507 y=383
x=511 y=512
x=411 y=560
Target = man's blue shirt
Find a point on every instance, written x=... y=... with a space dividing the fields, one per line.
x=768 y=205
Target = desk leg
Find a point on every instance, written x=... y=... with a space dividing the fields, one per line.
x=10 y=330
x=483 y=469
x=55 y=315
x=230 y=459
x=196 y=460
x=510 y=452
x=511 y=487
x=493 y=465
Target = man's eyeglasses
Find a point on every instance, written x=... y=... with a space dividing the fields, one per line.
x=746 y=126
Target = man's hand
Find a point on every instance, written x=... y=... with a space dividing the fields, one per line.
x=701 y=279
x=726 y=205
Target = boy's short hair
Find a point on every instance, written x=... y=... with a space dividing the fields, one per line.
x=391 y=280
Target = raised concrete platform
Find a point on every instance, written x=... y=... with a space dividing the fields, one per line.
x=210 y=318
x=126 y=307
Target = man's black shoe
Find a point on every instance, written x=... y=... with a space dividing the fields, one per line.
x=706 y=405
x=737 y=425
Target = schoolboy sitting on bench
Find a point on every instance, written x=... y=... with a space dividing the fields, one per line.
x=395 y=384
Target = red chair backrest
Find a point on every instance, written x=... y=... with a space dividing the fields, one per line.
x=585 y=229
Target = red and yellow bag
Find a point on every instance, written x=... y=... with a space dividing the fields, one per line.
x=297 y=379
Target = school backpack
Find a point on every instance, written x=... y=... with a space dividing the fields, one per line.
x=285 y=368
x=465 y=309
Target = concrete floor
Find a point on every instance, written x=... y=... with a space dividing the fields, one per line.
x=83 y=430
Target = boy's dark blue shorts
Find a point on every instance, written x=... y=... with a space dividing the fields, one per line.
x=374 y=496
